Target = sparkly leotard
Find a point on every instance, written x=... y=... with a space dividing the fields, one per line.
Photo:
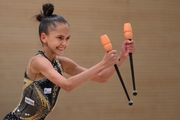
x=38 y=98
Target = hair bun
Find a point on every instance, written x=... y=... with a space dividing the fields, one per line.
x=48 y=9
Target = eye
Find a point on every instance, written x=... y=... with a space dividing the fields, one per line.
x=60 y=37
x=68 y=38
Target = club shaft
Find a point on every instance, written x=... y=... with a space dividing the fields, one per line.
x=121 y=80
x=132 y=70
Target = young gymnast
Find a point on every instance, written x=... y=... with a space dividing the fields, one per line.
x=43 y=77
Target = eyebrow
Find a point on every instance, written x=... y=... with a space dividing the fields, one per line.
x=63 y=36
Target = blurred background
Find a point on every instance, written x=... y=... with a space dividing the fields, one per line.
x=156 y=30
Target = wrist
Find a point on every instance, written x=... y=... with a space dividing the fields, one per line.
x=121 y=59
x=122 y=56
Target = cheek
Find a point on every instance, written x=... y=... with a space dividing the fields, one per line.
x=67 y=44
x=52 y=43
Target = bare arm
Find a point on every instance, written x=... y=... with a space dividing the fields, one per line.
x=106 y=74
x=102 y=77
x=40 y=65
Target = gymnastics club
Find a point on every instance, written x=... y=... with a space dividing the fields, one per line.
x=108 y=47
x=128 y=36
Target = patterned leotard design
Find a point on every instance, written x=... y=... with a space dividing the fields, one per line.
x=39 y=96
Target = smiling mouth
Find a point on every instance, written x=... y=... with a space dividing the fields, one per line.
x=61 y=49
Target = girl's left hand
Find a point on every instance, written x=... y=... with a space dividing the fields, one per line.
x=128 y=47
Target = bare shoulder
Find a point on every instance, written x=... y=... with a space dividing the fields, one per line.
x=39 y=60
x=39 y=63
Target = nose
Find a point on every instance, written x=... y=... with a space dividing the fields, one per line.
x=64 y=42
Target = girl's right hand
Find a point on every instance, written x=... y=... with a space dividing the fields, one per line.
x=110 y=58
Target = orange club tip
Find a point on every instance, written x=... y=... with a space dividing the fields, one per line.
x=106 y=43
x=104 y=39
x=128 y=35
x=108 y=47
x=127 y=27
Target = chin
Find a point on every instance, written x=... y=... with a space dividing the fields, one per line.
x=59 y=53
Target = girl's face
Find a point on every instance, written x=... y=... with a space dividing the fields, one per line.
x=58 y=38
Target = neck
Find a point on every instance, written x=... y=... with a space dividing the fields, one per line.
x=51 y=56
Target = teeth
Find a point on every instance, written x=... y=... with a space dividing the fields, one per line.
x=60 y=48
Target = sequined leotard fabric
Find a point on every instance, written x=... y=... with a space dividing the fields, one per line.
x=38 y=98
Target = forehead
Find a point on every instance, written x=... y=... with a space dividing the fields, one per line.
x=60 y=28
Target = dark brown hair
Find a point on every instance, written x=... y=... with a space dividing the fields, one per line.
x=47 y=19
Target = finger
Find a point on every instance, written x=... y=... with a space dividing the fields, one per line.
x=112 y=52
x=128 y=42
x=130 y=47
x=131 y=50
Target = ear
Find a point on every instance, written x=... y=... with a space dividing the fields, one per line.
x=43 y=37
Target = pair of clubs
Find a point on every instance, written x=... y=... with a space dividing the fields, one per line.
x=108 y=47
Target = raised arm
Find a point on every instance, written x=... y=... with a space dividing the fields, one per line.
x=40 y=65
x=106 y=74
